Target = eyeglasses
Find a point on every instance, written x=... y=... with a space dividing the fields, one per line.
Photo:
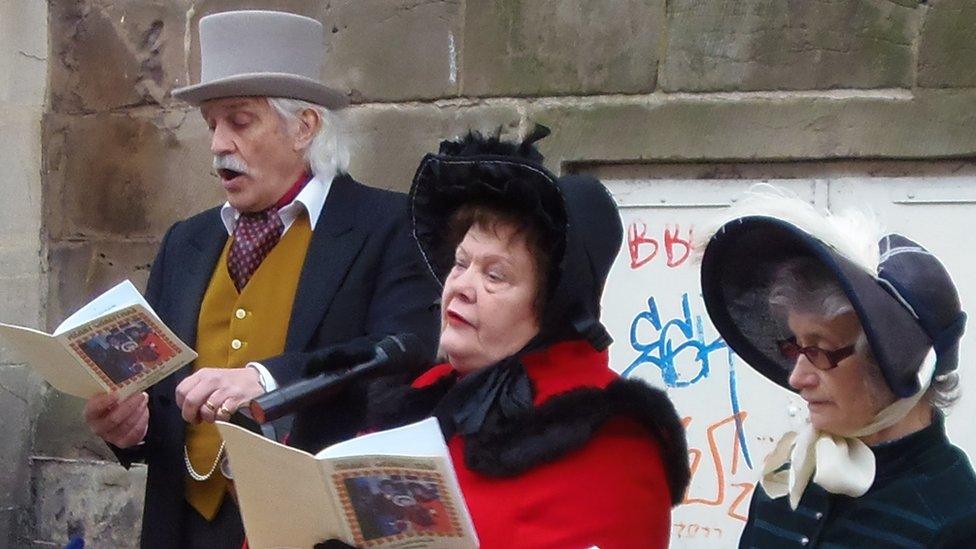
x=822 y=359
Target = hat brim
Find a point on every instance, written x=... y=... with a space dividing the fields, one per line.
x=739 y=262
x=443 y=183
x=290 y=86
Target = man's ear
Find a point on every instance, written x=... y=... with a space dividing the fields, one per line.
x=309 y=123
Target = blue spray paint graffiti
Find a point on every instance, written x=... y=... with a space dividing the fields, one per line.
x=662 y=352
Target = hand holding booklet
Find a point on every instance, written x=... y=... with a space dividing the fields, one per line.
x=115 y=343
x=388 y=489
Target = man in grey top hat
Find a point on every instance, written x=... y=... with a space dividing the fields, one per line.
x=300 y=259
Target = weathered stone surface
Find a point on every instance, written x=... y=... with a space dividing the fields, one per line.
x=14 y=528
x=20 y=252
x=23 y=81
x=19 y=391
x=82 y=270
x=23 y=300
x=61 y=430
x=390 y=141
x=571 y=47
x=126 y=174
x=111 y=54
x=8 y=524
x=20 y=155
x=947 y=47
x=101 y=501
x=15 y=389
x=383 y=50
x=934 y=124
x=20 y=216
x=730 y=45
x=23 y=52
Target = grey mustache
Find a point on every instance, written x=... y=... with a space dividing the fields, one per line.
x=229 y=162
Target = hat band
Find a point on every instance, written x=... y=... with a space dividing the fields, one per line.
x=890 y=287
x=950 y=336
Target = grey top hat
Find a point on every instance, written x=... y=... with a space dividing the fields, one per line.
x=261 y=53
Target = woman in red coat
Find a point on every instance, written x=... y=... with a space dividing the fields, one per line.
x=551 y=447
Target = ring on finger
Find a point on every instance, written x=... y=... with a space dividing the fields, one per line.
x=223 y=411
x=210 y=406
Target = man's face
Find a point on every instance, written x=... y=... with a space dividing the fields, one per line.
x=258 y=159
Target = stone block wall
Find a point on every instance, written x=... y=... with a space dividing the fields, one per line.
x=23 y=282
x=619 y=81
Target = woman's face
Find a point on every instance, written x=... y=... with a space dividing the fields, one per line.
x=843 y=399
x=487 y=307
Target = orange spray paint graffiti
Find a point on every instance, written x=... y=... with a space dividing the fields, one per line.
x=721 y=476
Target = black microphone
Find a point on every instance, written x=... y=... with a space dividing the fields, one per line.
x=400 y=353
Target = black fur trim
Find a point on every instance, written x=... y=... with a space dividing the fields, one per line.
x=568 y=421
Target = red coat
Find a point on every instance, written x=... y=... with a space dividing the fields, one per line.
x=612 y=492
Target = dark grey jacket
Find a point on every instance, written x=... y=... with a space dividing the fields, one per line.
x=362 y=278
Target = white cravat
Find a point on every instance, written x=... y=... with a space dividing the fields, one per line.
x=839 y=464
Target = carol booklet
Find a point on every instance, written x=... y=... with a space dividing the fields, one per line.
x=115 y=343
x=389 y=489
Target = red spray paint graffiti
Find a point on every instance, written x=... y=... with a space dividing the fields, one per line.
x=643 y=248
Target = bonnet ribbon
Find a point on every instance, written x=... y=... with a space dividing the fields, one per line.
x=839 y=464
x=501 y=391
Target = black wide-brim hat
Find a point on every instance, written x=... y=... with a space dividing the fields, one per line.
x=577 y=216
x=907 y=307
x=445 y=182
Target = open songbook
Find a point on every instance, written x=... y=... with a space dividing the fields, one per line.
x=393 y=488
x=114 y=343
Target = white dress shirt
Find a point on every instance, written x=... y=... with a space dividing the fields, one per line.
x=311 y=199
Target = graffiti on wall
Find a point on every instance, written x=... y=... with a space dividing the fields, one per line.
x=672 y=344
x=643 y=248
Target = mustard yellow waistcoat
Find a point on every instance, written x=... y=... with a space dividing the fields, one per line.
x=234 y=329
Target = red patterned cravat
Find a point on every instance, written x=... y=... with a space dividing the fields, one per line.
x=254 y=237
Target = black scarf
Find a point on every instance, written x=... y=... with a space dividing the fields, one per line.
x=494 y=396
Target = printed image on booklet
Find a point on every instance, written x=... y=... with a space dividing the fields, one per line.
x=115 y=343
x=384 y=504
x=394 y=489
x=123 y=347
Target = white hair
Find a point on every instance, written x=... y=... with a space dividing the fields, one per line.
x=804 y=285
x=327 y=154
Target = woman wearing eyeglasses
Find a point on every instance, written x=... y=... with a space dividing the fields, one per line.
x=865 y=328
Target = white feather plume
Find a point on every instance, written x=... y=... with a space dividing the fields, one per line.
x=853 y=233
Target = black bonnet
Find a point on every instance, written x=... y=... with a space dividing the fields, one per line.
x=576 y=213
x=593 y=238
